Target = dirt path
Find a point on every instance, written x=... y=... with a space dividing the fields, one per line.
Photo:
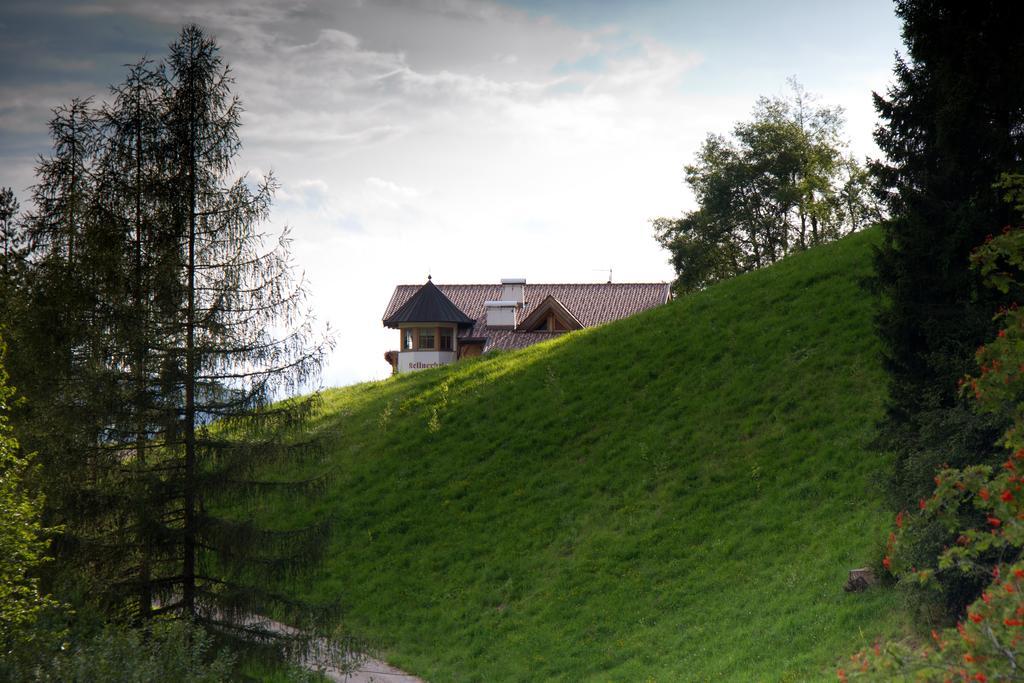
x=373 y=671
x=367 y=669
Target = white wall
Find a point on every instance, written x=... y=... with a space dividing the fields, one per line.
x=421 y=360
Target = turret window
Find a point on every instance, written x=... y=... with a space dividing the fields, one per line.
x=426 y=335
x=445 y=338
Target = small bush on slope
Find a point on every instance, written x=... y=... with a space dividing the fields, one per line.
x=678 y=495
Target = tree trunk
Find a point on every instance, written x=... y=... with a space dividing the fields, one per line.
x=139 y=372
x=189 y=546
x=803 y=227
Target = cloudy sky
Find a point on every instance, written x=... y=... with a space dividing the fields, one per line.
x=470 y=139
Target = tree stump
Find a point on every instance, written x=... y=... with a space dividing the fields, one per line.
x=859 y=580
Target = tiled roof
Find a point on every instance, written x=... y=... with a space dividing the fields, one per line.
x=592 y=304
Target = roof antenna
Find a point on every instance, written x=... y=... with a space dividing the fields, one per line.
x=609 y=269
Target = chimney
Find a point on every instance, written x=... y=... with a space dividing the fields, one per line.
x=514 y=289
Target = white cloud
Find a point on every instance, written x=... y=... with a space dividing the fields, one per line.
x=400 y=155
x=458 y=137
x=405 y=193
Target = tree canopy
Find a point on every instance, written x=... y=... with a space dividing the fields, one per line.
x=782 y=181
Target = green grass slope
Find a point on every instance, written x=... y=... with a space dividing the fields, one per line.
x=675 y=496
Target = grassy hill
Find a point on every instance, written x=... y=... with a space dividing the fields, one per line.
x=675 y=496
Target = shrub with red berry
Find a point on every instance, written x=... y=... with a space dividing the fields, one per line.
x=982 y=506
x=987 y=645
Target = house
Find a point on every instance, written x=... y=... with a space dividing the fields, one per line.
x=438 y=324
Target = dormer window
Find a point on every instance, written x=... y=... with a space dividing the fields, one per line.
x=551 y=324
x=551 y=316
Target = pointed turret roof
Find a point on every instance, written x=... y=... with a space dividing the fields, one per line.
x=429 y=305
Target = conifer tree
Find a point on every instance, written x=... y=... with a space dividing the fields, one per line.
x=953 y=121
x=131 y=202
x=60 y=336
x=177 y=331
x=223 y=363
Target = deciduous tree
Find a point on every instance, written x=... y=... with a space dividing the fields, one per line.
x=780 y=183
x=23 y=542
x=10 y=237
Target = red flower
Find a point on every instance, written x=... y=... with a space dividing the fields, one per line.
x=921 y=504
x=1013 y=622
x=1006 y=496
x=1019 y=573
x=1002 y=333
x=886 y=562
x=994 y=521
x=975 y=617
x=980 y=677
x=899 y=519
x=1009 y=587
x=984 y=494
x=986 y=597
